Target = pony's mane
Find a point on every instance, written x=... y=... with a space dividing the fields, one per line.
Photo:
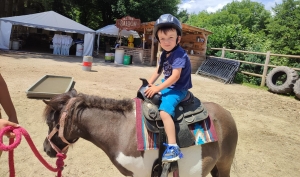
x=92 y=101
x=88 y=101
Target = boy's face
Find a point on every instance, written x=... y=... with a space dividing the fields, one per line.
x=168 y=39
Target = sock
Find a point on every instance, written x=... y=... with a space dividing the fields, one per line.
x=173 y=145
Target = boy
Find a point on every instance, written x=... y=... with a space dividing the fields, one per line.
x=176 y=67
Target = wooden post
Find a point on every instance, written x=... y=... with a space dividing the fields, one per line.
x=144 y=35
x=152 y=49
x=263 y=78
x=223 y=52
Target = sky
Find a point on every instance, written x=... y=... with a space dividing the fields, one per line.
x=195 y=6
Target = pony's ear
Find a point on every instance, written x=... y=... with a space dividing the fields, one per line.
x=73 y=92
x=48 y=103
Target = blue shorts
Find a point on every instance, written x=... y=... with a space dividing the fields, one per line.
x=170 y=99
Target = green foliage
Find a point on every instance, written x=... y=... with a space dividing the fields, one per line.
x=146 y=10
x=284 y=32
x=98 y=13
x=251 y=15
x=183 y=16
x=284 y=28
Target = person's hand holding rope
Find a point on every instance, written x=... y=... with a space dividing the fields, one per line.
x=4 y=123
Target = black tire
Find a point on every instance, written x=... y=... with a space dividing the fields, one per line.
x=281 y=79
x=297 y=89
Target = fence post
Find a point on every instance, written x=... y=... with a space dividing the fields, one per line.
x=223 y=52
x=263 y=78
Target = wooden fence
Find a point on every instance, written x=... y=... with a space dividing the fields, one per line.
x=266 y=65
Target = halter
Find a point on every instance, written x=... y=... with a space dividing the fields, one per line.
x=59 y=127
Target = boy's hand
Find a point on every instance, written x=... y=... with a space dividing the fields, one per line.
x=4 y=123
x=151 y=90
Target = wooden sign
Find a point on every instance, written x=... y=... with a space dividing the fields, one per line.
x=128 y=23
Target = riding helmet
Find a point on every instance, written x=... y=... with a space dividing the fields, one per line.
x=167 y=20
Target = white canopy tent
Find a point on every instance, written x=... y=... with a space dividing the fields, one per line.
x=49 y=20
x=112 y=30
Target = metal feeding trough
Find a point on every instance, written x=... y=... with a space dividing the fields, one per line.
x=49 y=86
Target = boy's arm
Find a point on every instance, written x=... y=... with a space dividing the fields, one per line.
x=171 y=80
x=6 y=102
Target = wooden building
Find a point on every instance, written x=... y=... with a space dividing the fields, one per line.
x=194 y=41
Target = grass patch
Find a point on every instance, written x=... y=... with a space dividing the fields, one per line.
x=255 y=86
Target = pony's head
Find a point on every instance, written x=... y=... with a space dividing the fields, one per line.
x=58 y=140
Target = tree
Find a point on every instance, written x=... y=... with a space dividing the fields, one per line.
x=284 y=28
x=183 y=16
x=147 y=10
x=252 y=15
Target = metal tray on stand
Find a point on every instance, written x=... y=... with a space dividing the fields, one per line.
x=49 y=86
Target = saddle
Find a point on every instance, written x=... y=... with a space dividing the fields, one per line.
x=189 y=111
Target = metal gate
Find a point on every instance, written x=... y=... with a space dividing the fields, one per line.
x=222 y=69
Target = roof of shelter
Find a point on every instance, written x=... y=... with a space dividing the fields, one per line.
x=113 y=30
x=186 y=29
x=49 y=20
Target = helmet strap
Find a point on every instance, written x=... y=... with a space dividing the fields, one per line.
x=163 y=57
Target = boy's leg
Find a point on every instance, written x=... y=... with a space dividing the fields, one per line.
x=169 y=127
x=172 y=152
x=170 y=99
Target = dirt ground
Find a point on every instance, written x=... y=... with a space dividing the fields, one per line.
x=268 y=124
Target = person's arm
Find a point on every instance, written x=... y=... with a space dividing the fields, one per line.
x=6 y=102
x=170 y=81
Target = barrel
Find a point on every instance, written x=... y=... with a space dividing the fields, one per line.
x=126 y=60
x=119 y=54
x=15 y=45
x=112 y=59
x=79 y=49
x=107 y=57
x=87 y=63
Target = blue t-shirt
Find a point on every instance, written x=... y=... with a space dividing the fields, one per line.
x=179 y=59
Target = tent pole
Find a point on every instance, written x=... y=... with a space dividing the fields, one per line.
x=98 y=44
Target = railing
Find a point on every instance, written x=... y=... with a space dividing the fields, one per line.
x=266 y=65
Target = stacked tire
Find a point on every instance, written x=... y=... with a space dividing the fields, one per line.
x=297 y=89
x=282 y=79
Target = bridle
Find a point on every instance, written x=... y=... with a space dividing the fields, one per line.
x=59 y=127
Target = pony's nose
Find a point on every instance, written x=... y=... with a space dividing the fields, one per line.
x=48 y=153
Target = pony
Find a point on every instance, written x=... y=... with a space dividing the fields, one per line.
x=110 y=124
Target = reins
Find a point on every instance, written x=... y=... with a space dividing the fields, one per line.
x=19 y=131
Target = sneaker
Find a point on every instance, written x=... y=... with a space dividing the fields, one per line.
x=171 y=154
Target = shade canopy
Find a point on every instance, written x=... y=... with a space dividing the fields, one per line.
x=112 y=30
x=49 y=20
